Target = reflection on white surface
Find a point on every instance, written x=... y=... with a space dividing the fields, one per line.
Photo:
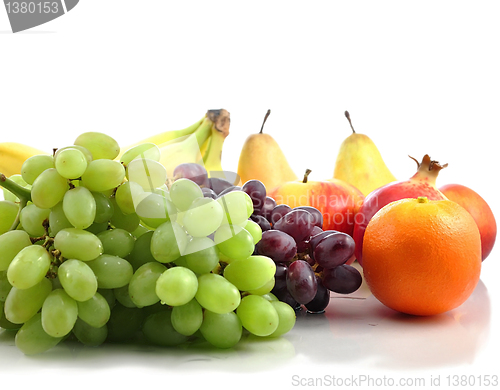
x=354 y=331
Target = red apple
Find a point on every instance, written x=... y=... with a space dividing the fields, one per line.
x=480 y=211
x=337 y=200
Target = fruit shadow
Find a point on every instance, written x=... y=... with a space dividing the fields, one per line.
x=355 y=330
x=365 y=332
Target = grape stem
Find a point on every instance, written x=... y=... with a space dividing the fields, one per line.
x=22 y=193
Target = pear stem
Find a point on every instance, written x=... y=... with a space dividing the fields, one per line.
x=349 y=119
x=265 y=119
x=308 y=171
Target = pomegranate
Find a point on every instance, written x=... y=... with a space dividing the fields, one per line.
x=422 y=183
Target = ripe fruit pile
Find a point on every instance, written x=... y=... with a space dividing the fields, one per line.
x=102 y=249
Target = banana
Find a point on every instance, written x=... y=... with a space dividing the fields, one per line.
x=166 y=136
x=185 y=149
x=13 y=155
x=212 y=159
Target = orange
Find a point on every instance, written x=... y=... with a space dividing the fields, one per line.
x=422 y=257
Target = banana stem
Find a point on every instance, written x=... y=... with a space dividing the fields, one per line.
x=22 y=193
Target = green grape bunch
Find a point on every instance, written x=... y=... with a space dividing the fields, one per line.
x=101 y=249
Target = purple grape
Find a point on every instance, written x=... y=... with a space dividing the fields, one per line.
x=192 y=171
x=277 y=245
x=321 y=300
x=229 y=189
x=343 y=279
x=316 y=230
x=301 y=282
x=296 y=223
x=218 y=185
x=208 y=193
x=269 y=205
x=280 y=276
x=261 y=221
x=284 y=296
x=333 y=250
x=257 y=192
x=318 y=217
x=316 y=239
x=278 y=212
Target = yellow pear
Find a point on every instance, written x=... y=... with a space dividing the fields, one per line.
x=262 y=159
x=360 y=164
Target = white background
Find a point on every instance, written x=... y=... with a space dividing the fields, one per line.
x=417 y=77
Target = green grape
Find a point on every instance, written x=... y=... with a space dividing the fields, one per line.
x=97 y=228
x=254 y=229
x=5 y=286
x=111 y=271
x=79 y=207
x=8 y=211
x=94 y=311
x=122 y=295
x=101 y=145
x=18 y=179
x=57 y=219
x=21 y=305
x=237 y=207
x=146 y=150
x=59 y=313
x=183 y=192
x=124 y=323
x=4 y=322
x=141 y=253
x=34 y=166
x=48 y=189
x=186 y=319
x=203 y=217
x=78 y=244
x=158 y=330
x=221 y=330
x=169 y=241
x=264 y=289
x=128 y=195
x=155 y=209
x=258 y=315
x=11 y=244
x=109 y=295
x=70 y=163
x=234 y=241
x=270 y=297
x=32 y=219
x=77 y=279
x=117 y=242
x=89 y=335
x=142 y=285
x=103 y=208
x=29 y=267
x=85 y=151
x=201 y=255
x=103 y=175
x=217 y=294
x=149 y=174
x=286 y=316
x=129 y=222
x=141 y=229
x=32 y=339
x=176 y=286
x=250 y=273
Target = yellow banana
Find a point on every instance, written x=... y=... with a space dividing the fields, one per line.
x=212 y=159
x=185 y=149
x=13 y=155
x=167 y=136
